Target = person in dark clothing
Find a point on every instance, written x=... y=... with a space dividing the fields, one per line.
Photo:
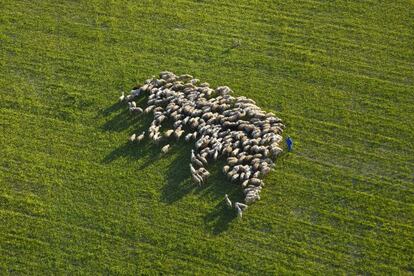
x=289 y=143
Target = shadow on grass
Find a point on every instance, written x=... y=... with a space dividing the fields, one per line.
x=178 y=176
x=219 y=219
x=179 y=183
x=135 y=151
x=115 y=107
x=125 y=119
x=121 y=121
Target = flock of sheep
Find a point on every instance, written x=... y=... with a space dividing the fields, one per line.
x=221 y=125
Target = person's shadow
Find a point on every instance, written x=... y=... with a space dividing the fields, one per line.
x=179 y=182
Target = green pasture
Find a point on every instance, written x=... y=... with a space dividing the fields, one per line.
x=76 y=197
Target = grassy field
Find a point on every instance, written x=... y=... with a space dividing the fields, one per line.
x=75 y=197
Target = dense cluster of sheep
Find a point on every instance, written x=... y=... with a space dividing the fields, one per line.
x=221 y=125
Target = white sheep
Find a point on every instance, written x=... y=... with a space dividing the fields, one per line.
x=178 y=133
x=188 y=137
x=242 y=206
x=227 y=200
x=221 y=125
x=122 y=97
x=141 y=136
x=193 y=171
x=239 y=211
x=165 y=149
x=168 y=133
x=198 y=180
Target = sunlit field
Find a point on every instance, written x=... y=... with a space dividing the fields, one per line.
x=77 y=197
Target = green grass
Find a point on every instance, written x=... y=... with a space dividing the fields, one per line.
x=75 y=197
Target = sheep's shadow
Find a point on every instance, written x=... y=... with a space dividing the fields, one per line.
x=145 y=149
x=109 y=110
x=178 y=175
x=179 y=183
x=120 y=122
x=134 y=151
x=124 y=119
x=218 y=220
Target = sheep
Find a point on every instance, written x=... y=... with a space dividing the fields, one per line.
x=215 y=155
x=275 y=150
x=197 y=162
x=255 y=181
x=197 y=179
x=140 y=137
x=149 y=109
x=241 y=206
x=193 y=171
x=137 y=110
x=178 y=133
x=165 y=149
x=203 y=173
x=251 y=198
x=202 y=159
x=188 y=137
x=177 y=124
x=231 y=161
x=265 y=170
x=226 y=169
x=168 y=133
x=122 y=97
x=228 y=201
x=239 y=211
x=230 y=174
x=160 y=119
x=135 y=92
x=220 y=124
x=157 y=137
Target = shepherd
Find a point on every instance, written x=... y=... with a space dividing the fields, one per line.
x=289 y=143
